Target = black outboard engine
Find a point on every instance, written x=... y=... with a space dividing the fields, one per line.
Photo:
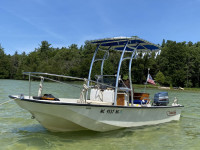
x=161 y=99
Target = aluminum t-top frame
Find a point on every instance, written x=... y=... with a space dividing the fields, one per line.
x=132 y=45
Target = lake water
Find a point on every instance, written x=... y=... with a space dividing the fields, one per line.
x=18 y=131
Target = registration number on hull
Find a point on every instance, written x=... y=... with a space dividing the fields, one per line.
x=110 y=111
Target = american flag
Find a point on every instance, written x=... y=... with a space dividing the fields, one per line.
x=150 y=80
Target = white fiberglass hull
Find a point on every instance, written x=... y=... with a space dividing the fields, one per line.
x=63 y=116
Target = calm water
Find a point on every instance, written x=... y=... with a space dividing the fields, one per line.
x=18 y=131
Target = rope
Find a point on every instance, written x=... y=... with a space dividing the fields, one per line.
x=6 y=102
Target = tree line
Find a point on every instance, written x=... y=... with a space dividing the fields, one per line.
x=177 y=65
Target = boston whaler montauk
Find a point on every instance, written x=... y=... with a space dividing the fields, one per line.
x=106 y=103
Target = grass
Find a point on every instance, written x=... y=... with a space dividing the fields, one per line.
x=142 y=86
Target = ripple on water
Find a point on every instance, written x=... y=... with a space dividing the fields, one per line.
x=19 y=132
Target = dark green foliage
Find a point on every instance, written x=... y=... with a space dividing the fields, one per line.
x=177 y=65
x=160 y=78
x=4 y=64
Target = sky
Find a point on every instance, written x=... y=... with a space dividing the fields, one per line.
x=25 y=23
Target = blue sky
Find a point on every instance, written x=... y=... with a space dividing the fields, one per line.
x=25 y=23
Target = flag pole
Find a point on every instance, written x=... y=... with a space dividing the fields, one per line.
x=146 y=80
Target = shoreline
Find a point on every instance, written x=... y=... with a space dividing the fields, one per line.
x=148 y=86
x=171 y=88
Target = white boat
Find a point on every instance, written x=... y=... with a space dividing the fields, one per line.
x=106 y=103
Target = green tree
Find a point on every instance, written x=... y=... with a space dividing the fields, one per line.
x=4 y=64
x=163 y=43
x=179 y=63
x=172 y=62
x=160 y=78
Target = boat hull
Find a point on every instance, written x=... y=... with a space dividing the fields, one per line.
x=62 y=116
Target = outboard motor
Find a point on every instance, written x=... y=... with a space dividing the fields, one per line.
x=161 y=99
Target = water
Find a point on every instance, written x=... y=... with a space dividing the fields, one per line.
x=18 y=131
